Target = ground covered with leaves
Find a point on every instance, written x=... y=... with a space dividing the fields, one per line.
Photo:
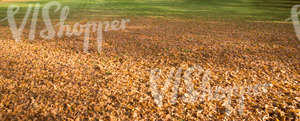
x=56 y=80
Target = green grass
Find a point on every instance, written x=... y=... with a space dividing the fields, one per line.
x=274 y=10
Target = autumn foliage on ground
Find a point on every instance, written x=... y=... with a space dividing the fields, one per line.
x=56 y=80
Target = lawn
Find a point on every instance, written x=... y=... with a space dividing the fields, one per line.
x=272 y=10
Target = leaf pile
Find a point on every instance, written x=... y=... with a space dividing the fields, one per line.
x=55 y=80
